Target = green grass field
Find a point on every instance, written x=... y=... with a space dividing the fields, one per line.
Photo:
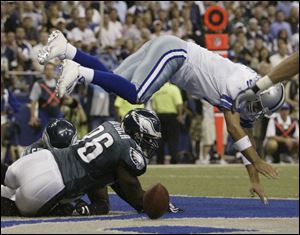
x=220 y=181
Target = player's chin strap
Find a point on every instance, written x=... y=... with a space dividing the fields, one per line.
x=174 y=209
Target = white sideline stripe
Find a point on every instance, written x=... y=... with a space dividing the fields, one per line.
x=211 y=165
x=207 y=176
x=158 y=68
x=184 y=195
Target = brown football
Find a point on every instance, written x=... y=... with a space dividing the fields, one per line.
x=156 y=201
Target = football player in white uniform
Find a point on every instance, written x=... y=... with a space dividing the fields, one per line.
x=167 y=58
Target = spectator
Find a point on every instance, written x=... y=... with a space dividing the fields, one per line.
x=292 y=96
x=252 y=32
x=9 y=127
x=71 y=23
x=293 y=20
x=157 y=29
x=271 y=13
x=238 y=54
x=264 y=56
x=10 y=18
x=113 y=15
x=29 y=11
x=281 y=55
x=53 y=15
x=282 y=136
x=44 y=102
x=97 y=106
x=121 y=8
x=208 y=133
x=35 y=50
x=24 y=49
x=130 y=30
x=61 y=25
x=147 y=19
x=84 y=6
x=30 y=31
x=195 y=107
x=163 y=18
x=176 y=29
x=108 y=34
x=89 y=18
x=167 y=103
x=85 y=35
x=122 y=107
x=279 y=24
x=282 y=36
x=264 y=33
x=8 y=52
x=73 y=112
x=285 y=7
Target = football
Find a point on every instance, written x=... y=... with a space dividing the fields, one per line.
x=156 y=201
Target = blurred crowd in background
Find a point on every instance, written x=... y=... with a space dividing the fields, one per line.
x=261 y=35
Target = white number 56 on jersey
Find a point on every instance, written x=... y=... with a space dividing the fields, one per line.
x=99 y=141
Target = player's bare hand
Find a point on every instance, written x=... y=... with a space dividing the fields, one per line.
x=257 y=189
x=266 y=169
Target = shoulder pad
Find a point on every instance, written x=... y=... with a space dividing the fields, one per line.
x=135 y=161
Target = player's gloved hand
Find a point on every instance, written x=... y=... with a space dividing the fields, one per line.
x=81 y=208
x=249 y=94
x=173 y=208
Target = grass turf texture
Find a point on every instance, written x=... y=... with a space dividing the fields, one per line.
x=220 y=181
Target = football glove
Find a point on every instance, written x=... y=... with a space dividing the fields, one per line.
x=174 y=209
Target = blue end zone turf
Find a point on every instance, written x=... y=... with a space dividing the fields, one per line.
x=205 y=207
x=181 y=230
x=194 y=207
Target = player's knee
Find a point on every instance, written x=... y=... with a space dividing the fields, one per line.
x=26 y=203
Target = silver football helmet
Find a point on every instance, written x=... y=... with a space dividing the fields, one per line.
x=267 y=102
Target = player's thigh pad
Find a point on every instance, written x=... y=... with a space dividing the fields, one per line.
x=164 y=58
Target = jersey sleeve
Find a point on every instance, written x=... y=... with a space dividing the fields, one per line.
x=246 y=123
x=134 y=160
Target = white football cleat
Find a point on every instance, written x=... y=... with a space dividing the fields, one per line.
x=56 y=47
x=68 y=78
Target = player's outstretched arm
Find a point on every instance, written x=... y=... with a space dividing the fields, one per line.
x=128 y=187
x=256 y=187
x=283 y=71
x=243 y=145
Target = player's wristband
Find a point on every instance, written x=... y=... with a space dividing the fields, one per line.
x=264 y=83
x=242 y=144
x=246 y=162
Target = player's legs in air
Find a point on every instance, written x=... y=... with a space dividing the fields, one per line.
x=135 y=80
